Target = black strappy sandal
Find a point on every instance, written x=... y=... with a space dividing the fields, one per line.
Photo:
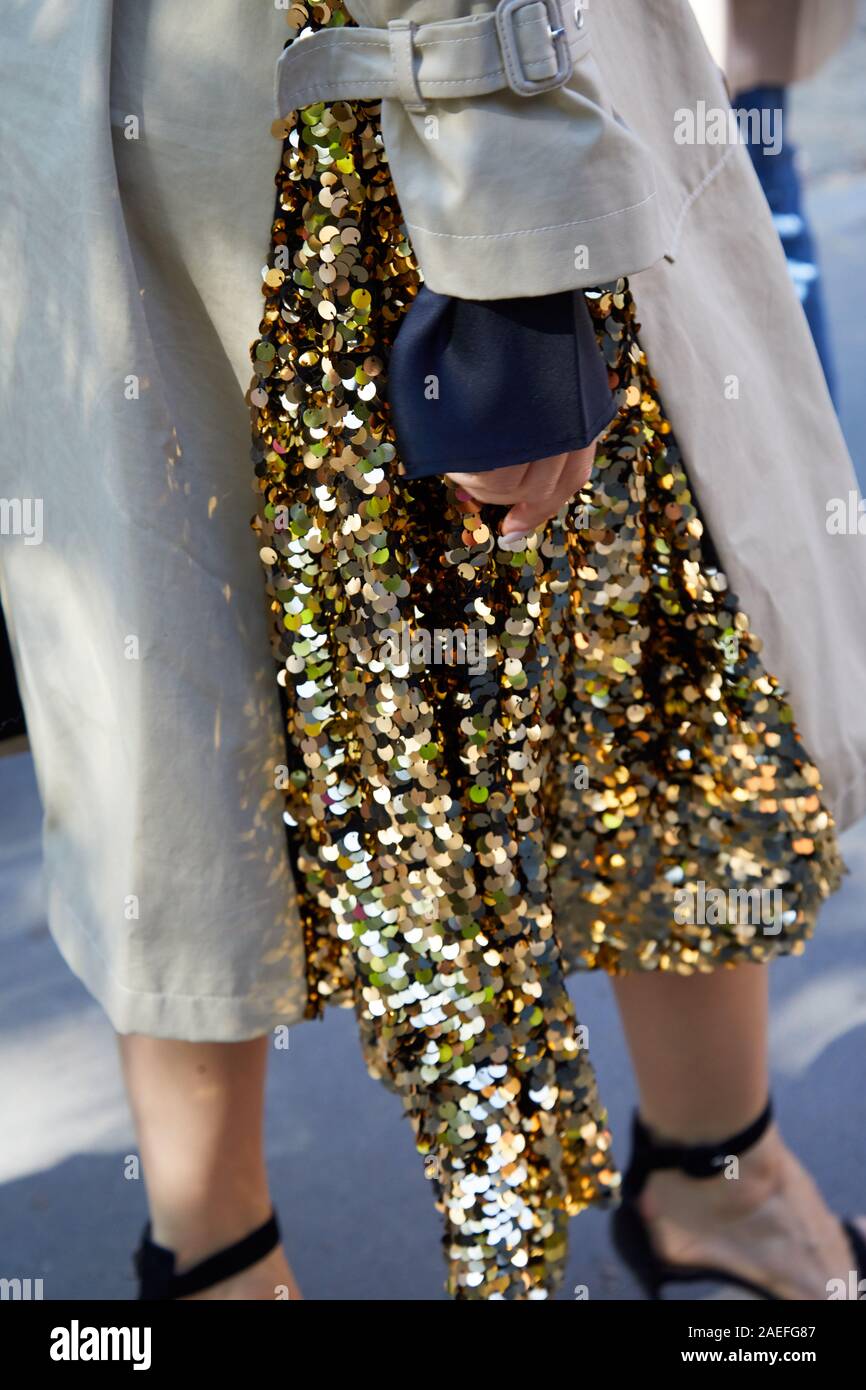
x=154 y=1264
x=630 y=1232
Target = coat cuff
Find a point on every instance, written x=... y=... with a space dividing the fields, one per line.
x=610 y=245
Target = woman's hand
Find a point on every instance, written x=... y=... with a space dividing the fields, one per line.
x=534 y=492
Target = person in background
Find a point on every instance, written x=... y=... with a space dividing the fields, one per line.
x=763 y=46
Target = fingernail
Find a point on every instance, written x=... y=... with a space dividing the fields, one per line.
x=464 y=496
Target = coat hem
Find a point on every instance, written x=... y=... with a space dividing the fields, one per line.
x=185 y=1017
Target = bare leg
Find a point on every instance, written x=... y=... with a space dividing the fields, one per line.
x=699 y=1049
x=199 y=1110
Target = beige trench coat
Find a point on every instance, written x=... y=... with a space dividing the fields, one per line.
x=773 y=41
x=137 y=191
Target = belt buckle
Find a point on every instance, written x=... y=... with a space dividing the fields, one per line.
x=515 y=75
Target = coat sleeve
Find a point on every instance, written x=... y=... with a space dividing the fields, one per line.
x=507 y=194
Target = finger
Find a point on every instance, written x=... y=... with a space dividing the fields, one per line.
x=499 y=486
x=469 y=504
x=540 y=500
x=528 y=515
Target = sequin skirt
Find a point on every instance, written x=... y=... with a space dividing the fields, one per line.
x=505 y=761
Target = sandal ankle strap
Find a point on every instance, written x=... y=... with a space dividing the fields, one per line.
x=698 y=1160
x=154 y=1264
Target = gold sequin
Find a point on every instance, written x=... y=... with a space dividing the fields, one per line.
x=464 y=837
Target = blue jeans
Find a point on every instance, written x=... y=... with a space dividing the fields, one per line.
x=781 y=184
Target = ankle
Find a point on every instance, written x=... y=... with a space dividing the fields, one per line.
x=269 y=1280
x=745 y=1183
x=199 y=1228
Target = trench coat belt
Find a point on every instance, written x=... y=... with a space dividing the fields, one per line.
x=530 y=46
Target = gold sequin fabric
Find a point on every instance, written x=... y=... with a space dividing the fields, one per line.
x=465 y=833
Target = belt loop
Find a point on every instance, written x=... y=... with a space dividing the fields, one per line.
x=401 y=39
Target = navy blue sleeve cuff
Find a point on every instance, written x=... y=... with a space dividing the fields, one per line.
x=475 y=385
